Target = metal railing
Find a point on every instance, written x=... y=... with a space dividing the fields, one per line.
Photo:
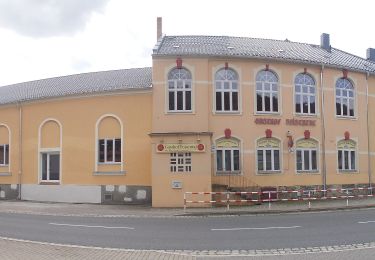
x=227 y=198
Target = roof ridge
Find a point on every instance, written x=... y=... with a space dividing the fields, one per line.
x=70 y=75
x=242 y=37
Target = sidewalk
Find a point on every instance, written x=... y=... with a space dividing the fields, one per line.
x=98 y=210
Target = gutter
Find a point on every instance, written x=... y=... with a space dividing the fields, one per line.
x=323 y=131
x=20 y=151
x=368 y=132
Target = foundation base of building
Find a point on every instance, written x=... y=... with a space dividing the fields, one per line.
x=8 y=191
x=100 y=194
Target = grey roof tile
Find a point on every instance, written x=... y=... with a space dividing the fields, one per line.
x=78 y=84
x=225 y=46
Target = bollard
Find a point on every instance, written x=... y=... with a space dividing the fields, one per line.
x=184 y=202
x=269 y=200
x=227 y=201
x=309 y=199
x=347 y=197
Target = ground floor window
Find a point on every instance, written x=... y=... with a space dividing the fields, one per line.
x=4 y=154
x=50 y=166
x=307 y=155
x=109 y=150
x=180 y=162
x=346 y=155
x=268 y=155
x=228 y=156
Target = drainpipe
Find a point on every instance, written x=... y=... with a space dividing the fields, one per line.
x=323 y=130
x=20 y=151
x=368 y=133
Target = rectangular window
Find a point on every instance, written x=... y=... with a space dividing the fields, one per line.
x=109 y=150
x=226 y=101
x=50 y=166
x=218 y=101
x=180 y=162
x=346 y=160
x=268 y=160
x=219 y=160
x=4 y=154
x=235 y=101
x=306 y=160
x=228 y=160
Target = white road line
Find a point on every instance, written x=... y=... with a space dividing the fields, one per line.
x=365 y=222
x=259 y=228
x=72 y=225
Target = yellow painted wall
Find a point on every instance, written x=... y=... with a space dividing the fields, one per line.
x=50 y=135
x=243 y=125
x=78 y=117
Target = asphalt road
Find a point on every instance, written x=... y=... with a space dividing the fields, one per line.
x=197 y=233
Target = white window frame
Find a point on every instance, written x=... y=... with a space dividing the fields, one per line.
x=351 y=169
x=345 y=98
x=305 y=85
x=264 y=150
x=184 y=90
x=223 y=165
x=310 y=150
x=5 y=154
x=113 y=150
x=49 y=152
x=219 y=87
x=263 y=93
x=180 y=162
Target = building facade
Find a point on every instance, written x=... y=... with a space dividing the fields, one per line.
x=213 y=113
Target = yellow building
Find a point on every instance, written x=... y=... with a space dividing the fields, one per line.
x=212 y=113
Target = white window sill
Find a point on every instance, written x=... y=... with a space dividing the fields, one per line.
x=49 y=183
x=348 y=171
x=346 y=117
x=228 y=173
x=268 y=172
x=109 y=173
x=5 y=174
x=308 y=172
x=109 y=163
x=258 y=113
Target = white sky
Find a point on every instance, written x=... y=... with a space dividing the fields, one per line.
x=47 y=38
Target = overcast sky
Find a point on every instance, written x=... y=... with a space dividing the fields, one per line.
x=47 y=38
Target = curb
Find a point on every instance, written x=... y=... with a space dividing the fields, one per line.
x=265 y=212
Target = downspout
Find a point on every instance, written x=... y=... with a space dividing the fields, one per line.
x=323 y=130
x=368 y=133
x=20 y=152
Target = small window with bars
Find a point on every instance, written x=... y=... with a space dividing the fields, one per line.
x=180 y=162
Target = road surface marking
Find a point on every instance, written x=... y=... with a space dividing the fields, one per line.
x=259 y=228
x=365 y=222
x=72 y=225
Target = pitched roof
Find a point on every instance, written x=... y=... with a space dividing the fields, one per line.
x=224 y=46
x=78 y=84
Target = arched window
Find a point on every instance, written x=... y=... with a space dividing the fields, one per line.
x=268 y=155
x=346 y=155
x=50 y=151
x=307 y=155
x=109 y=144
x=267 y=92
x=179 y=90
x=4 y=145
x=228 y=156
x=226 y=90
x=344 y=98
x=305 y=93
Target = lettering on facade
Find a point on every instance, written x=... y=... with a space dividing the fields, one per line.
x=301 y=122
x=180 y=148
x=267 y=121
x=274 y=121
